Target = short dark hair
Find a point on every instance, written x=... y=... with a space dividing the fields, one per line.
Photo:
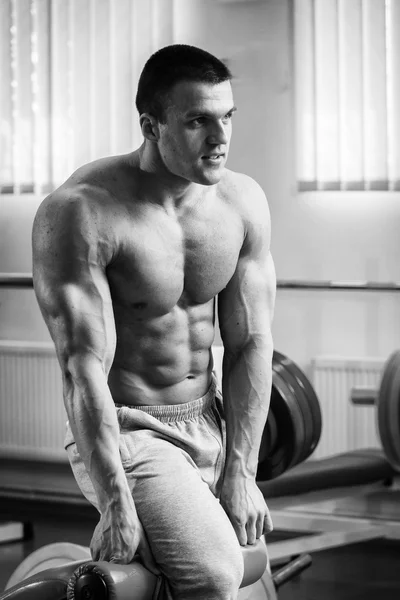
x=171 y=65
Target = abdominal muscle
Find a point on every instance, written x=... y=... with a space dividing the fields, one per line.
x=165 y=360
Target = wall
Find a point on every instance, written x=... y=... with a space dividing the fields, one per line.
x=20 y=318
x=350 y=237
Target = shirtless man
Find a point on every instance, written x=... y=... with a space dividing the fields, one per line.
x=129 y=256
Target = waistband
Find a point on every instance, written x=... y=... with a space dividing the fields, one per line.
x=178 y=412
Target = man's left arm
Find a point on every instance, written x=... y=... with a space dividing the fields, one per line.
x=245 y=311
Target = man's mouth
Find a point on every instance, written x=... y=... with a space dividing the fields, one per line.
x=213 y=156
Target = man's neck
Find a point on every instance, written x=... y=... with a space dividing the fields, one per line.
x=167 y=189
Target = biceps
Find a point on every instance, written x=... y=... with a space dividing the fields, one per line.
x=246 y=306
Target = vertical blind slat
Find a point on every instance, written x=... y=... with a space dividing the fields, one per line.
x=163 y=22
x=134 y=46
x=350 y=70
x=326 y=91
x=112 y=89
x=393 y=90
x=80 y=72
x=6 y=119
x=122 y=68
x=23 y=122
x=60 y=89
x=42 y=107
x=374 y=50
x=144 y=45
x=304 y=86
x=101 y=80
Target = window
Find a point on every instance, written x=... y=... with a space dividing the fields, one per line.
x=68 y=72
x=347 y=79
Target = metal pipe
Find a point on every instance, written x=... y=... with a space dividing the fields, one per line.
x=292 y=569
x=24 y=280
x=16 y=280
x=363 y=286
x=364 y=396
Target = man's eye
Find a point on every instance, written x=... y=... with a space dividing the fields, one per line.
x=199 y=121
x=227 y=118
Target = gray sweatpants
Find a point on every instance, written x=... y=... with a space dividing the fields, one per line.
x=174 y=458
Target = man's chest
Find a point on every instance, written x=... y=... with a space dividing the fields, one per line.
x=164 y=261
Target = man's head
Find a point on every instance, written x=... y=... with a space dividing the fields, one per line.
x=171 y=65
x=185 y=104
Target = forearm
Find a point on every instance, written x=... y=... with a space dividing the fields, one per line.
x=93 y=420
x=246 y=387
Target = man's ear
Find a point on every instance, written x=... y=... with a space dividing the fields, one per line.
x=150 y=127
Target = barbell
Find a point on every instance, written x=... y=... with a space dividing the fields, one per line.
x=294 y=422
x=386 y=400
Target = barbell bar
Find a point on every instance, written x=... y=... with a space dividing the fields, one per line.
x=364 y=396
x=16 y=280
x=386 y=400
x=24 y=280
x=330 y=285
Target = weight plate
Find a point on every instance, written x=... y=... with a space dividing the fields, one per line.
x=388 y=410
x=273 y=458
x=300 y=398
x=269 y=438
x=313 y=403
x=312 y=409
x=290 y=430
x=294 y=402
x=273 y=432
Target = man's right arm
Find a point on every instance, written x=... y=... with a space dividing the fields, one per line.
x=70 y=255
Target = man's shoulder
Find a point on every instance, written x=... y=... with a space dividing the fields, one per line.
x=94 y=181
x=81 y=207
x=243 y=191
x=89 y=189
x=72 y=206
x=250 y=201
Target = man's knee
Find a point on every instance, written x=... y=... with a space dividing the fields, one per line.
x=221 y=576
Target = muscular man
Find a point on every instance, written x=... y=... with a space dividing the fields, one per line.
x=129 y=257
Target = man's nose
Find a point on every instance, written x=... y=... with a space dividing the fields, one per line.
x=219 y=134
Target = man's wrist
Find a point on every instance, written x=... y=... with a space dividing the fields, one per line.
x=238 y=470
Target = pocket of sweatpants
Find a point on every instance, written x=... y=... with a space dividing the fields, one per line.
x=219 y=415
x=124 y=453
x=81 y=475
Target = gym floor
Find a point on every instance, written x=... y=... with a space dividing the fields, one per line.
x=362 y=571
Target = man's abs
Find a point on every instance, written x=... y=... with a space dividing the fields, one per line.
x=164 y=360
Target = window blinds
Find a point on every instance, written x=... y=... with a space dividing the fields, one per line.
x=68 y=73
x=347 y=82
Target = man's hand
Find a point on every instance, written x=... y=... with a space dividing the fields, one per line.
x=246 y=508
x=119 y=535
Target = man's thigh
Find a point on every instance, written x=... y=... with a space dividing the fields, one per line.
x=184 y=522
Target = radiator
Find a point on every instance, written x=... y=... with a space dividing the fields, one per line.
x=345 y=427
x=32 y=414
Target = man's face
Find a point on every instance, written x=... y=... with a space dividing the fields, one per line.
x=194 y=141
